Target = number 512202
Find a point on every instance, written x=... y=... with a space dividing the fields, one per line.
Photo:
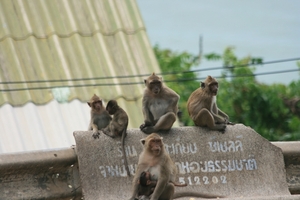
x=196 y=180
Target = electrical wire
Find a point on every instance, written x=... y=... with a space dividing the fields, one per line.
x=141 y=82
x=145 y=75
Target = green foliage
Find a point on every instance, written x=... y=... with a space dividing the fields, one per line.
x=170 y=61
x=254 y=104
x=241 y=96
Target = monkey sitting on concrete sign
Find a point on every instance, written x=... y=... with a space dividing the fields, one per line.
x=203 y=109
x=117 y=126
x=159 y=105
x=158 y=162
x=99 y=116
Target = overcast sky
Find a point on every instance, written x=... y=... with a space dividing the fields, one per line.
x=260 y=28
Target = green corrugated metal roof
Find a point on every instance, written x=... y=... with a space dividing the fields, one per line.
x=72 y=39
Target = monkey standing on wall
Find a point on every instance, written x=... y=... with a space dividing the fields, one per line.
x=159 y=105
x=157 y=161
x=117 y=126
x=99 y=116
x=203 y=109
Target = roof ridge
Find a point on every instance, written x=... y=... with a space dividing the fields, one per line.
x=83 y=34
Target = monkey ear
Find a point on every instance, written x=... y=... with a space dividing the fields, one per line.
x=143 y=141
x=202 y=84
x=89 y=104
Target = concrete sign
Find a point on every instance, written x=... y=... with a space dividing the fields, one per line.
x=237 y=163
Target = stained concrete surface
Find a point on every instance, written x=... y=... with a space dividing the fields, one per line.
x=237 y=164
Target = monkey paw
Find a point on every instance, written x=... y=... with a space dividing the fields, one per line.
x=148 y=129
x=96 y=135
x=145 y=124
x=142 y=126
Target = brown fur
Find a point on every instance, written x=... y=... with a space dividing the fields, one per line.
x=157 y=161
x=159 y=105
x=203 y=109
x=147 y=185
x=99 y=116
x=117 y=126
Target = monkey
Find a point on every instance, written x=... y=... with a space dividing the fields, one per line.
x=147 y=185
x=99 y=116
x=202 y=106
x=158 y=162
x=154 y=159
x=117 y=126
x=159 y=105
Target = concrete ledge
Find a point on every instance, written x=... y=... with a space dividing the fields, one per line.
x=237 y=163
x=30 y=171
x=293 y=197
x=49 y=174
x=291 y=151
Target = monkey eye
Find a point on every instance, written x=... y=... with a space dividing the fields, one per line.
x=155 y=83
x=98 y=102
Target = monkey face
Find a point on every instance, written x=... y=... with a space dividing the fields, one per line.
x=155 y=145
x=111 y=110
x=155 y=86
x=213 y=88
x=112 y=107
x=145 y=178
x=95 y=102
x=97 y=105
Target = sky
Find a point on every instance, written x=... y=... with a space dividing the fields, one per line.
x=260 y=28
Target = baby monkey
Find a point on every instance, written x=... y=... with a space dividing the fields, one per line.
x=117 y=126
x=147 y=185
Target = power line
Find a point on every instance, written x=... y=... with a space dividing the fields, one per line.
x=141 y=82
x=145 y=75
x=237 y=76
x=235 y=66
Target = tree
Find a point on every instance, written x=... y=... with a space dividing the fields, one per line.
x=255 y=104
x=184 y=82
x=260 y=106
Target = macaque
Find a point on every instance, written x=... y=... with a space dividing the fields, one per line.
x=159 y=164
x=159 y=105
x=203 y=109
x=147 y=185
x=157 y=161
x=117 y=126
x=99 y=116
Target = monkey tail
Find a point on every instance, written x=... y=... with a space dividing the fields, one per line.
x=180 y=185
x=195 y=194
x=124 y=134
